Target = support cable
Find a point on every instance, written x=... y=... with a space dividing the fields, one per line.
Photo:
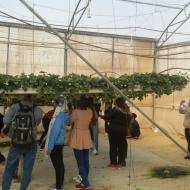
x=153 y=4
x=102 y=76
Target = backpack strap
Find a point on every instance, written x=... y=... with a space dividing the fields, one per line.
x=30 y=108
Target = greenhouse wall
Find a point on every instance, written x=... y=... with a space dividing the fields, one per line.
x=31 y=50
x=174 y=59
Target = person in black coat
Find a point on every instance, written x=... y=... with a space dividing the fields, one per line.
x=134 y=127
x=117 y=134
x=2 y=158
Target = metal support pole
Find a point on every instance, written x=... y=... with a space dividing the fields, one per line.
x=112 y=60
x=8 y=45
x=102 y=76
x=65 y=58
x=154 y=70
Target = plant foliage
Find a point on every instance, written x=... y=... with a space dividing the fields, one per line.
x=134 y=86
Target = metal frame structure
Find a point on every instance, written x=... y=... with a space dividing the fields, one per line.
x=76 y=12
x=173 y=26
x=64 y=40
x=152 y=4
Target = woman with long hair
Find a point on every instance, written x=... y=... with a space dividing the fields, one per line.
x=80 y=140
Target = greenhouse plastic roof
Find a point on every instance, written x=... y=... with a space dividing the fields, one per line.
x=141 y=18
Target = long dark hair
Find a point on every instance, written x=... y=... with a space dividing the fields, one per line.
x=82 y=103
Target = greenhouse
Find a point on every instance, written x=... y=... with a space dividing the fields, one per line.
x=137 y=50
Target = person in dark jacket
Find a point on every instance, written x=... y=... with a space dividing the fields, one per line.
x=117 y=134
x=2 y=158
x=134 y=127
x=45 y=123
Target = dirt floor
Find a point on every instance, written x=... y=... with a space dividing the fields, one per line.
x=151 y=150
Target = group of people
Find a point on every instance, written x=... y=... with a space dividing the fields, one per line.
x=22 y=120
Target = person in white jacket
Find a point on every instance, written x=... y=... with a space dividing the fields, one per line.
x=185 y=109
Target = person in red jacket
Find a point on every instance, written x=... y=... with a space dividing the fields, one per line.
x=45 y=123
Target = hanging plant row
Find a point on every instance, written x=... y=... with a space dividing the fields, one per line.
x=134 y=86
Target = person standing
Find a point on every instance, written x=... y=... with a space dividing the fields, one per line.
x=22 y=119
x=185 y=109
x=45 y=123
x=55 y=144
x=94 y=128
x=80 y=140
x=2 y=157
x=134 y=127
x=117 y=134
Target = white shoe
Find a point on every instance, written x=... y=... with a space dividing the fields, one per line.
x=95 y=152
x=77 y=179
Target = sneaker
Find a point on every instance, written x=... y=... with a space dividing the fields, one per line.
x=95 y=152
x=113 y=166
x=77 y=179
x=54 y=187
x=86 y=188
x=79 y=186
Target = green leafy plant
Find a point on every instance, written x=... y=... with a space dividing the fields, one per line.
x=134 y=86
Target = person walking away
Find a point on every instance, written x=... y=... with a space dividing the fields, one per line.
x=56 y=143
x=22 y=119
x=80 y=140
x=185 y=109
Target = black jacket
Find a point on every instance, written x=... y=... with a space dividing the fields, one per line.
x=117 y=121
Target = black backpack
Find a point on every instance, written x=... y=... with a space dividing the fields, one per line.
x=23 y=126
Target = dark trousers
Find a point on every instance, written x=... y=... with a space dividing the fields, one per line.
x=57 y=161
x=187 y=135
x=118 y=147
x=45 y=124
x=2 y=158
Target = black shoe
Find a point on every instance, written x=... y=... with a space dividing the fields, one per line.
x=187 y=157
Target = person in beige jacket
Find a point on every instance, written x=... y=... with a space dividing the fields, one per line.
x=80 y=140
x=185 y=109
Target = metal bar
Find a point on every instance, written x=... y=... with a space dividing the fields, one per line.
x=8 y=49
x=174 y=69
x=171 y=34
x=10 y=16
x=113 y=48
x=166 y=30
x=102 y=76
x=73 y=15
x=152 y=4
x=70 y=33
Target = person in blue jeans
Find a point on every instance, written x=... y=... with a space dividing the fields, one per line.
x=15 y=153
x=14 y=156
